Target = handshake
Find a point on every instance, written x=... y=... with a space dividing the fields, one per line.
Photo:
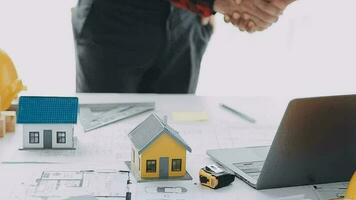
x=251 y=15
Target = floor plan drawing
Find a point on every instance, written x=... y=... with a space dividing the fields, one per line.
x=94 y=183
x=330 y=191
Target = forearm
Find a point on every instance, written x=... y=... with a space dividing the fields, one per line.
x=203 y=7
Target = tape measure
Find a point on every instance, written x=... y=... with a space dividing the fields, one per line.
x=215 y=177
x=93 y=116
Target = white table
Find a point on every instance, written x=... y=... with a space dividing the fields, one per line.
x=110 y=146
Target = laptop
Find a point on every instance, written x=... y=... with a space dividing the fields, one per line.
x=315 y=143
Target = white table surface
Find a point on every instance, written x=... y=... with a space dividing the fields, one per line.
x=110 y=145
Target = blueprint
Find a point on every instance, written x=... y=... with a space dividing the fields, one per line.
x=64 y=182
x=330 y=191
x=109 y=145
x=97 y=183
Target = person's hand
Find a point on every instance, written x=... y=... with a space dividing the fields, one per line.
x=257 y=15
x=251 y=15
x=239 y=12
x=247 y=23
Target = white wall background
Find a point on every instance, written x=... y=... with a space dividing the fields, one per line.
x=310 y=51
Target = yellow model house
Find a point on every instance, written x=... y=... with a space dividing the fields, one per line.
x=158 y=151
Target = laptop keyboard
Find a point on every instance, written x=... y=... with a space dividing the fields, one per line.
x=253 y=169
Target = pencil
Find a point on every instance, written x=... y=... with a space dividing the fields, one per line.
x=240 y=114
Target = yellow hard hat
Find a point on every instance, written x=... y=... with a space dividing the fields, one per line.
x=10 y=85
x=351 y=191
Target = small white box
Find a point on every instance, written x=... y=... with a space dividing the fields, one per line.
x=10 y=121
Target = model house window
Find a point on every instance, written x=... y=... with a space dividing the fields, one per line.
x=61 y=137
x=151 y=166
x=34 y=137
x=176 y=165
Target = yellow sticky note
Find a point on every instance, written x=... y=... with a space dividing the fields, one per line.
x=190 y=116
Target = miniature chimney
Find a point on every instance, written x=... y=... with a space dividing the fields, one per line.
x=165 y=119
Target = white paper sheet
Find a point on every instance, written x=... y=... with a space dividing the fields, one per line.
x=62 y=181
x=330 y=191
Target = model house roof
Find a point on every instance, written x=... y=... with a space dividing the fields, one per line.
x=149 y=130
x=47 y=110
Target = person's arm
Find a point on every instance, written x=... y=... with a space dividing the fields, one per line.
x=203 y=7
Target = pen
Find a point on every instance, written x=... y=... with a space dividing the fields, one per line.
x=241 y=115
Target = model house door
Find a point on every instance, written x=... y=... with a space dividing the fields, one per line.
x=163 y=167
x=47 y=139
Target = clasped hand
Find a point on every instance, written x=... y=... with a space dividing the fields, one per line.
x=251 y=15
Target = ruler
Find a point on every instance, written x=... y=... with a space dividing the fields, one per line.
x=93 y=116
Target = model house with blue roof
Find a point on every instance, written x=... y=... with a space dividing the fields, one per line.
x=48 y=122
